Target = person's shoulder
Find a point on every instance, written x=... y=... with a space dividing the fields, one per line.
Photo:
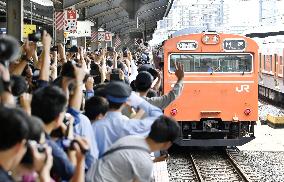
x=100 y=122
x=133 y=137
x=132 y=140
x=84 y=119
x=4 y=176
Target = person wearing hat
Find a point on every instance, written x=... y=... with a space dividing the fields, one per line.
x=115 y=125
x=144 y=82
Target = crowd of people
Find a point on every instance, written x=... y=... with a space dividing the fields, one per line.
x=76 y=115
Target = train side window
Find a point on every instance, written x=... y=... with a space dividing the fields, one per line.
x=260 y=61
x=275 y=63
x=264 y=62
x=270 y=62
x=280 y=65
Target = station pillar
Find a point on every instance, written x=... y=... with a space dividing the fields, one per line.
x=94 y=43
x=15 y=18
x=59 y=21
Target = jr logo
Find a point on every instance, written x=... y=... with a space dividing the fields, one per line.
x=242 y=88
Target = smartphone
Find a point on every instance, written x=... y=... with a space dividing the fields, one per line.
x=114 y=76
x=36 y=72
x=54 y=48
x=110 y=49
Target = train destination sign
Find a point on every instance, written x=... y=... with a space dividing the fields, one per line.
x=234 y=45
x=187 y=45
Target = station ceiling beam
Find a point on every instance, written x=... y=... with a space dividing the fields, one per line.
x=98 y=9
x=68 y=3
x=88 y=3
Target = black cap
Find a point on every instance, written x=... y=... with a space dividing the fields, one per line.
x=144 y=67
x=117 y=91
x=143 y=81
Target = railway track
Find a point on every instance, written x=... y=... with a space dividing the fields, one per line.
x=213 y=165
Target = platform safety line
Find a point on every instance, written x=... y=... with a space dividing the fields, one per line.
x=214 y=82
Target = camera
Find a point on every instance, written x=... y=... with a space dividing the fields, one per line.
x=9 y=49
x=139 y=41
x=68 y=70
x=73 y=49
x=110 y=49
x=124 y=50
x=35 y=36
x=98 y=52
x=114 y=76
x=95 y=73
x=28 y=157
x=69 y=145
x=54 y=49
x=153 y=72
x=95 y=70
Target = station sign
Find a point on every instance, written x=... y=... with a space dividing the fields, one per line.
x=101 y=36
x=28 y=29
x=187 y=45
x=70 y=22
x=234 y=45
x=108 y=36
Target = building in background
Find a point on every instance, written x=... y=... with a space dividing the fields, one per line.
x=230 y=16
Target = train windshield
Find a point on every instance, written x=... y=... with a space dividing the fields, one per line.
x=220 y=63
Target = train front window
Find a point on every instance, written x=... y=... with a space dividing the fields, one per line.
x=221 y=63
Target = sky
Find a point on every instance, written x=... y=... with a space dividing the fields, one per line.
x=242 y=12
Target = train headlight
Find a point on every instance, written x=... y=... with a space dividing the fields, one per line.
x=247 y=111
x=174 y=112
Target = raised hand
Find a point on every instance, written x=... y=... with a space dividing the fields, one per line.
x=179 y=71
x=46 y=40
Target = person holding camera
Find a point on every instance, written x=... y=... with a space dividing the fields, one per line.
x=14 y=140
x=49 y=103
x=71 y=82
x=115 y=168
x=115 y=125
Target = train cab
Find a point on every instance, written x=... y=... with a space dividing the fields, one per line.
x=219 y=102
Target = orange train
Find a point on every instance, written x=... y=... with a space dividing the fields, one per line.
x=219 y=102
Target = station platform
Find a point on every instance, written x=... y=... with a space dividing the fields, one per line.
x=160 y=172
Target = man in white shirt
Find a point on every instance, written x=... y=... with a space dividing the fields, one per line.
x=129 y=158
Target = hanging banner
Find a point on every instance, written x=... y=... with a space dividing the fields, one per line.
x=70 y=21
x=83 y=29
x=108 y=36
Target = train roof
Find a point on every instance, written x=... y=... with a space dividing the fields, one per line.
x=264 y=31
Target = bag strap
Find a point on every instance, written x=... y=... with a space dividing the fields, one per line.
x=125 y=148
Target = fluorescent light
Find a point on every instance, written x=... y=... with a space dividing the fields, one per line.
x=43 y=2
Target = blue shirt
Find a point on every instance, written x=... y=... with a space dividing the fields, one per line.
x=115 y=126
x=83 y=127
x=61 y=167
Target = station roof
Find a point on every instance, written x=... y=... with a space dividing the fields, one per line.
x=116 y=16
x=120 y=16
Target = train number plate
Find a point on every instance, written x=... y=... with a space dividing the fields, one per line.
x=187 y=45
x=234 y=45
